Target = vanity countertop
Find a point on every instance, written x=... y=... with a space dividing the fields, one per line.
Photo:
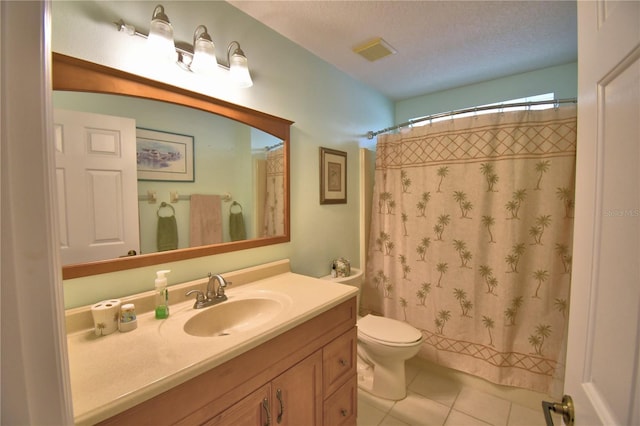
x=112 y=373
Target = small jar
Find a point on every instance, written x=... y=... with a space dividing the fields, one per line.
x=128 y=319
x=343 y=267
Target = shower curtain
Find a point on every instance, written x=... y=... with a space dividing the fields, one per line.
x=274 y=200
x=470 y=242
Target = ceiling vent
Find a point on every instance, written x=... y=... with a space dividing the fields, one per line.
x=374 y=49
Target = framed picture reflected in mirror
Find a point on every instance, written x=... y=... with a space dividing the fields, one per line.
x=164 y=156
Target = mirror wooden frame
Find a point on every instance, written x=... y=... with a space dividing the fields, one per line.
x=73 y=74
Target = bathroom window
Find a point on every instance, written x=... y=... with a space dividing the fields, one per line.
x=535 y=98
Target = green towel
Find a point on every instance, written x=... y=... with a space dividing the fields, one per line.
x=236 y=227
x=167 y=233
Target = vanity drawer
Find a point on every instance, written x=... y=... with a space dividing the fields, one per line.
x=341 y=408
x=339 y=361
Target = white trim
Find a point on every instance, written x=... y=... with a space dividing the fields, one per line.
x=35 y=379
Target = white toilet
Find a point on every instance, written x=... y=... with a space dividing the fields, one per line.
x=384 y=344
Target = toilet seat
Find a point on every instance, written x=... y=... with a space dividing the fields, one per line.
x=387 y=331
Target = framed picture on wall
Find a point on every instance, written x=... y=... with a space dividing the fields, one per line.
x=333 y=176
x=164 y=156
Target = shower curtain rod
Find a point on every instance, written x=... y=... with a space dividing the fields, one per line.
x=277 y=145
x=556 y=102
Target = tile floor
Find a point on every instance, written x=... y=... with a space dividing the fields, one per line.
x=438 y=396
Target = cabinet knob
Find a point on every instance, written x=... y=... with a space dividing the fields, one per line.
x=344 y=412
x=343 y=362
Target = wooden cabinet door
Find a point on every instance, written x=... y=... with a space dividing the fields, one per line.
x=252 y=410
x=296 y=395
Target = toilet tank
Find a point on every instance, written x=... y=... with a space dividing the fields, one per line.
x=355 y=279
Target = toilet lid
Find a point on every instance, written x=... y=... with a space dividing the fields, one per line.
x=388 y=330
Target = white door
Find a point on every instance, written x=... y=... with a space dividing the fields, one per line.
x=97 y=186
x=604 y=337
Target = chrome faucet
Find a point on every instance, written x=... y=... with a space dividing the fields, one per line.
x=213 y=295
x=212 y=292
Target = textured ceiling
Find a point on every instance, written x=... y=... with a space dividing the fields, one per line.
x=440 y=44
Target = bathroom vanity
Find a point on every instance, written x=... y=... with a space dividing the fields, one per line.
x=292 y=365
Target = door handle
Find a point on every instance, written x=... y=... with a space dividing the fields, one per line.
x=565 y=408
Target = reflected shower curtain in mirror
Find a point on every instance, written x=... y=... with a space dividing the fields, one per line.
x=274 y=200
x=471 y=238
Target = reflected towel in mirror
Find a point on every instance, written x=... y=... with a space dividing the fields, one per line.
x=237 y=229
x=205 y=220
x=167 y=232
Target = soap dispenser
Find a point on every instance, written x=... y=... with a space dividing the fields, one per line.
x=162 y=295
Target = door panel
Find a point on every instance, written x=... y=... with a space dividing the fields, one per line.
x=105 y=192
x=602 y=355
x=97 y=186
x=296 y=395
x=617 y=229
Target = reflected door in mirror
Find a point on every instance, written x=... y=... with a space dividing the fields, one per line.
x=96 y=185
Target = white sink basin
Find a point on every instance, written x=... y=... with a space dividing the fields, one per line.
x=234 y=316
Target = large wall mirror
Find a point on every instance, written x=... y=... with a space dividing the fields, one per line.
x=149 y=173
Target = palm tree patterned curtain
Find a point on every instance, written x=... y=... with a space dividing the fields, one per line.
x=471 y=242
x=274 y=200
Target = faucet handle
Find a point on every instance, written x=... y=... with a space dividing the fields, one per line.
x=200 y=299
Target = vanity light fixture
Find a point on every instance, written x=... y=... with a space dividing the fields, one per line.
x=204 y=53
x=202 y=59
x=238 y=66
x=160 y=39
